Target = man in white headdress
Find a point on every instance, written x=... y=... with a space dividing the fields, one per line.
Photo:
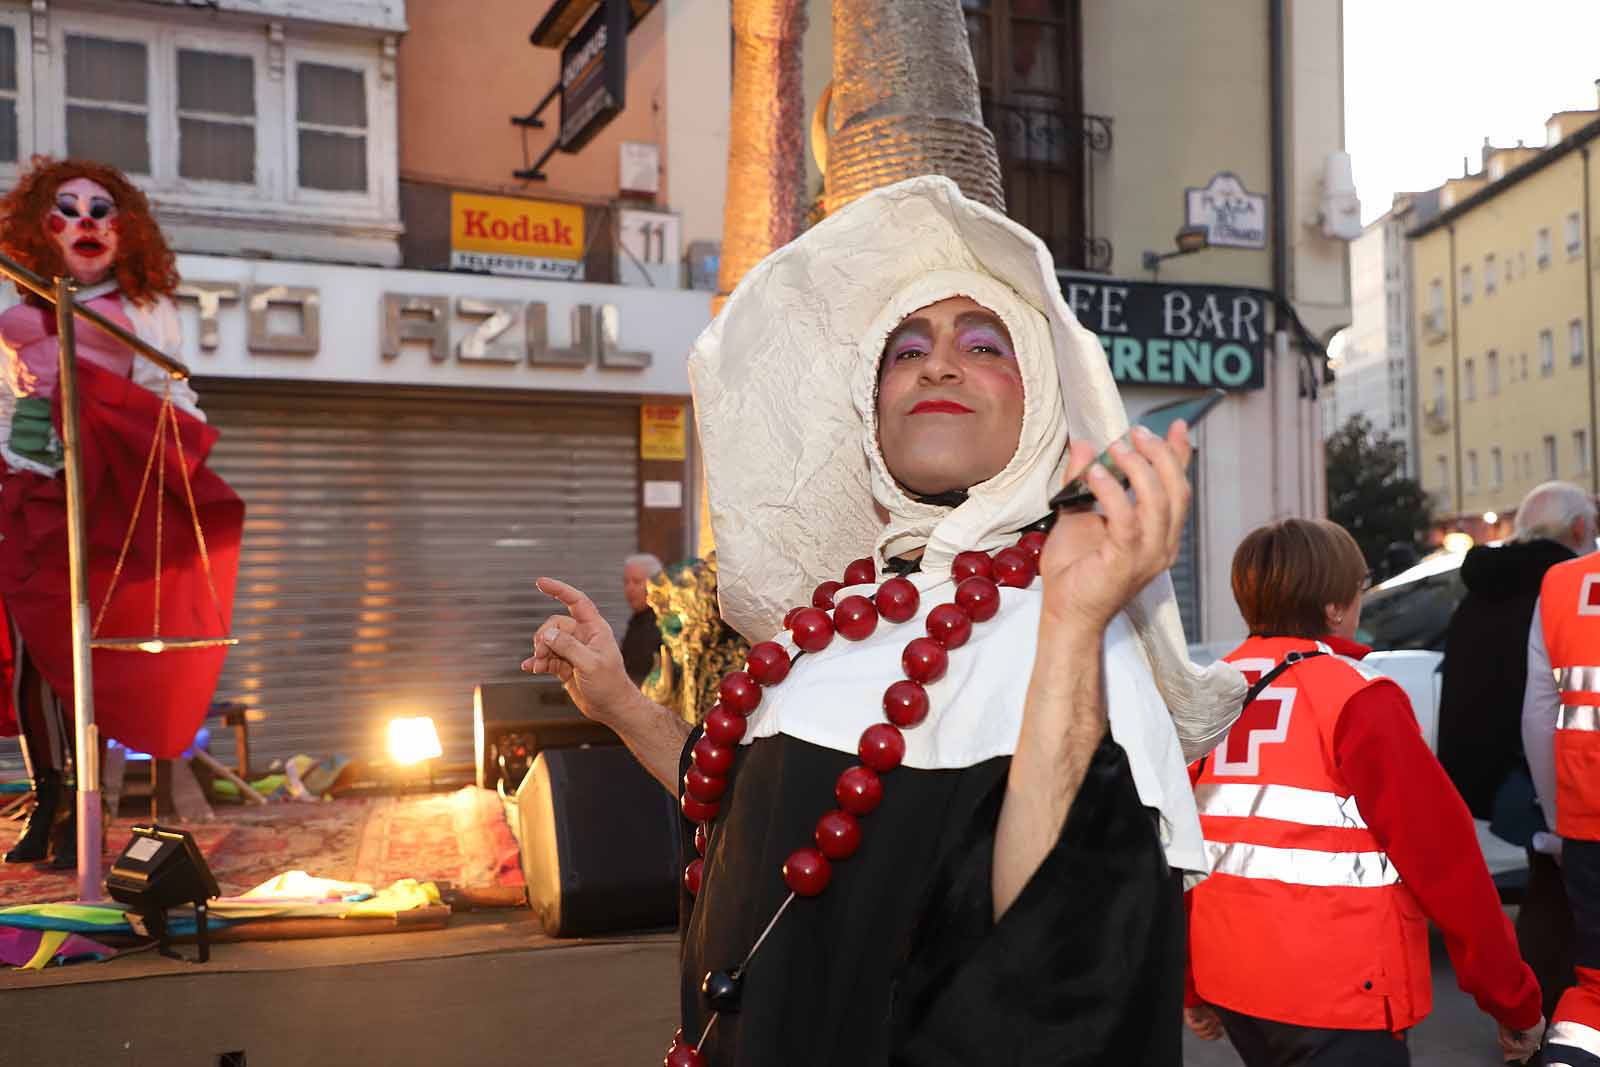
x=944 y=812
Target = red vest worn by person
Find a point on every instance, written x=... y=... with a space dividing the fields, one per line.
x=1569 y=610
x=1304 y=919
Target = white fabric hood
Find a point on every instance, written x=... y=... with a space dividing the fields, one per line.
x=785 y=396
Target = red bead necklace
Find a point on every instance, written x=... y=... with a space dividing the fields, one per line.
x=859 y=789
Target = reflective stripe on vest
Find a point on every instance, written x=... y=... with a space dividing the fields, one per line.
x=1303 y=866
x=1572 y=1035
x=1578 y=717
x=1578 y=679
x=1285 y=803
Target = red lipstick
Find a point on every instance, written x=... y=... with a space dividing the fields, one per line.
x=942 y=407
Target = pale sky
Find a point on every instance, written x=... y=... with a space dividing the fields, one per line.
x=1427 y=80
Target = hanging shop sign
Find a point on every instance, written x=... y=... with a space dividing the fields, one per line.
x=594 y=75
x=1231 y=215
x=1187 y=335
x=505 y=235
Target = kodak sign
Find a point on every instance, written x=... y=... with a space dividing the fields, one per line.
x=502 y=235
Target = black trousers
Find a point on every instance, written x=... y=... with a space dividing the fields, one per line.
x=1264 y=1043
x=1545 y=931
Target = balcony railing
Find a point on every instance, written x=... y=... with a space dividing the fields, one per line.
x=1435 y=417
x=1047 y=162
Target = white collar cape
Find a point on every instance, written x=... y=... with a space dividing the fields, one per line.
x=784 y=385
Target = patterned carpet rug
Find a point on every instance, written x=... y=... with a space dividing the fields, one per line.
x=459 y=837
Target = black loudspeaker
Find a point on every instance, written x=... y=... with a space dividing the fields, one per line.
x=599 y=843
x=538 y=710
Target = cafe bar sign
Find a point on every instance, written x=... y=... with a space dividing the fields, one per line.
x=1185 y=335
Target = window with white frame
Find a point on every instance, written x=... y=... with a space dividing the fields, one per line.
x=1469 y=380
x=1575 y=341
x=1442 y=466
x=1574 y=234
x=1547 y=353
x=331 y=121
x=1496 y=468
x=1436 y=298
x=108 y=101
x=1550 y=468
x=1541 y=247
x=1580 y=451
x=1491 y=274
x=1466 y=285
x=216 y=117
x=10 y=96
x=1491 y=372
x=1472 y=470
x=1438 y=390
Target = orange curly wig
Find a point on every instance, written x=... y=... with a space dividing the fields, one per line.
x=145 y=267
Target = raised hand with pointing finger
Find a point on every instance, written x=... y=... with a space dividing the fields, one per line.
x=580 y=650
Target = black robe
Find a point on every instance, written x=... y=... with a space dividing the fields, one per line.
x=899 y=960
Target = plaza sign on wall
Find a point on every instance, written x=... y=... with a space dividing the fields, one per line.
x=1186 y=335
x=506 y=235
x=1232 y=216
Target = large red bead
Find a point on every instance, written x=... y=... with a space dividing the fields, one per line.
x=979 y=598
x=767 y=663
x=882 y=747
x=739 y=693
x=860 y=572
x=858 y=790
x=712 y=758
x=692 y=875
x=788 y=616
x=1013 y=567
x=807 y=871
x=684 y=1056
x=898 y=600
x=812 y=630
x=723 y=726
x=701 y=839
x=924 y=660
x=1032 y=544
x=697 y=810
x=949 y=625
x=905 y=704
x=704 y=787
x=855 y=618
x=838 y=835
x=970 y=564
x=823 y=596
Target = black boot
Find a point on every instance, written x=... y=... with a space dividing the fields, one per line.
x=34 y=844
x=64 y=841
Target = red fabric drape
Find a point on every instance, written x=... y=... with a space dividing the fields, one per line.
x=151 y=702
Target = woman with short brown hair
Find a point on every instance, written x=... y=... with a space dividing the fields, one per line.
x=1334 y=836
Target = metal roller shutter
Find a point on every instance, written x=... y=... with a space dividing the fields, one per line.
x=391 y=547
x=1186 y=571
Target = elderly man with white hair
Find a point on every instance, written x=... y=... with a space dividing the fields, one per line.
x=643 y=636
x=1480 y=710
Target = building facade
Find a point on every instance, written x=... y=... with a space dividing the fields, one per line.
x=1503 y=293
x=1375 y=370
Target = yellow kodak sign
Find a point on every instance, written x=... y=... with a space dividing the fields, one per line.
x=504 y=235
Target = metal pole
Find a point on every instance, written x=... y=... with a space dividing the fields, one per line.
x=86 y=733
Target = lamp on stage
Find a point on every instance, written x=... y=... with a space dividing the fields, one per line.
x=414 y=740
x=162 y=869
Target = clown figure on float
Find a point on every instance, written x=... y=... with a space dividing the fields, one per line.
x=144 y=444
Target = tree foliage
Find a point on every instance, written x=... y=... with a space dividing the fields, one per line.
x=1369 y=493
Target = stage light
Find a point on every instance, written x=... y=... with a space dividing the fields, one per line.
x=1491 y=517
x=1457 y=541
x=412 y=740
x=162 y=869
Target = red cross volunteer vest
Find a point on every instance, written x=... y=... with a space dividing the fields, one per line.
x=1569 y=609
x=1303 y=920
